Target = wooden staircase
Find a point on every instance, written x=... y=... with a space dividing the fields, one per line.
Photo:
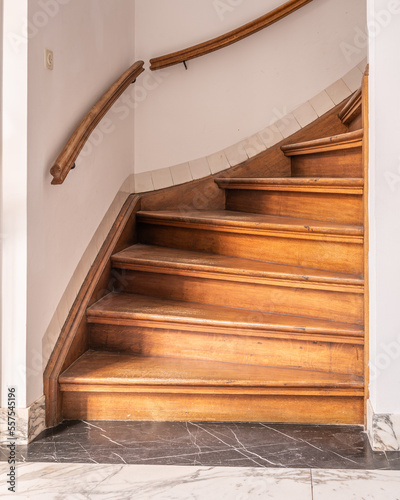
x=252 y=313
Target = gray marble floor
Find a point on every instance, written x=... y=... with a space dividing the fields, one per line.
x=42 y=481
x=207 y=445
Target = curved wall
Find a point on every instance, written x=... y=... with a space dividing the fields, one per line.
x=231 y=94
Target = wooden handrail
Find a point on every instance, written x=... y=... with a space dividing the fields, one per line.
x=81 y=134
x=229 y=38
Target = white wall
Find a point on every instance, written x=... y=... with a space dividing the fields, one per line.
x=231 y=94
x=1 y=170
x=93 y=43
x=14 y=204
x=384 y=23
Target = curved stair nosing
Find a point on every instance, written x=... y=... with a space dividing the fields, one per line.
x=103 y=368
x=350 y=285
x=350 y=140
x=268 y=332
x=198 y=317
x=352 y=109
x=338 y=233
x=350 y=186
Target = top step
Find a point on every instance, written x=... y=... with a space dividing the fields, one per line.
x=350 y=140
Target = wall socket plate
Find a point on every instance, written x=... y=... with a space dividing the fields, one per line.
x=49 y=59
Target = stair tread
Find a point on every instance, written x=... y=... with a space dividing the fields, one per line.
x=310 y=182
x=128 y=307
x=251 y=221
x=349 y=139
x=186 y=260
x=107 y=368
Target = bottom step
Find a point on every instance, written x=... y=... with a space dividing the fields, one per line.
x=111 y=386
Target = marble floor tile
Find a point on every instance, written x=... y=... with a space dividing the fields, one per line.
x=100 y=482
x=355 y=485
x=393 y=458
x=207 y=444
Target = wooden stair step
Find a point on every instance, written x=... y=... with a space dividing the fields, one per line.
x=328 y=199
x=226 y=220
x=340 y=142
x=150 y=326
x=106 y=386
x=298 y=184
x=337 y=156
x=287 y=240
x=106 y=368
x=152 y=258
x=190 y=276
x=129 y=309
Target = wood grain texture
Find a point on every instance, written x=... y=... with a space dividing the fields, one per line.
x=332 y=253
x=81 y=134
x=274 y=297
x=141 y=257
x=248 y=223
x=73 y=339
x=295 y=184
x=350 y=140
x=314 y=408
x=229 y=38
x=330 y=207
x=347 y=163
x=300 y=350
x=251 y=314
x=139 y=310
x=114 y=369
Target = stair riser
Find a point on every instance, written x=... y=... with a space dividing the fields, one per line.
x=341 y=208
x=235 y=348
x=346 y=163
x=322 y=304
x=336 y=256
x=356 y=123
x=212 y=408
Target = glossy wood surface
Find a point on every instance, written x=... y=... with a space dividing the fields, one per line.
x=319 y=407
x=106 y=368
x=81 y=134
x=250 y=314
x=158 y=338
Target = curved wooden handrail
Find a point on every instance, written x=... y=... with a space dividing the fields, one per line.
x=229 y=38
x=81 y=134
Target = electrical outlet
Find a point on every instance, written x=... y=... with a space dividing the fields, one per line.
x=49 y=59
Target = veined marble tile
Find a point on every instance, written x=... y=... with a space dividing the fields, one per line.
x=37 y=419
x=355 y=485
x=385 y=432
x=30 y=423
x=142 y=482
x=21 y=432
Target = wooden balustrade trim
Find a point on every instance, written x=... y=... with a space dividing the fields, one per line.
x=228 y=38
x=81 y=134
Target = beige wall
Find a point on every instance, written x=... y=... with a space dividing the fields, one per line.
x=93 y=43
